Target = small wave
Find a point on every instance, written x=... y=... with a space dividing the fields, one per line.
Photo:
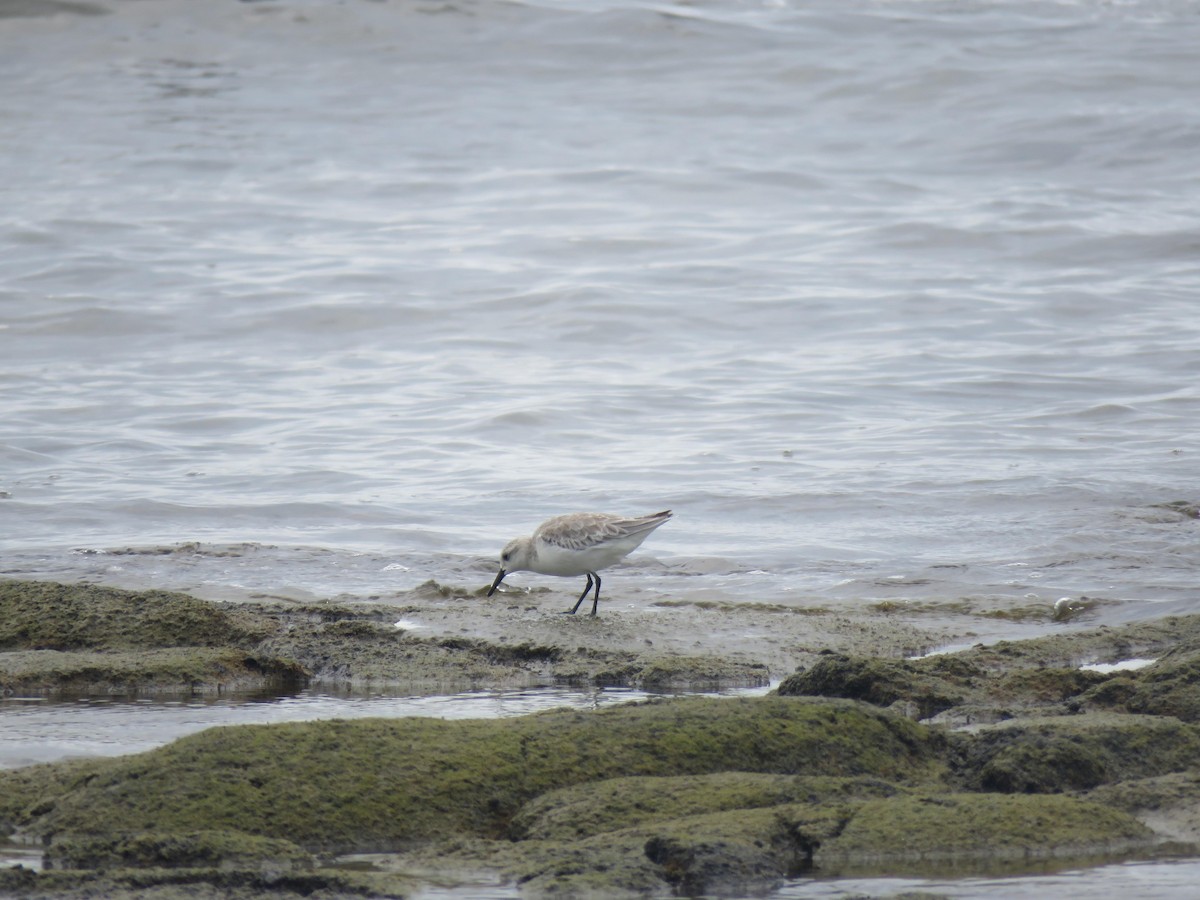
x=189 y=548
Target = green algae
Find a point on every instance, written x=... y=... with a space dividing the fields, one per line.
x=382 y=783
x=941 y=826
x=697 y=795
x=1064 y=754
x=57 y=638
x=198 y=849
x=205 y=883
x=1169 y=687
x=884 y=681
x=1028 y=677
x=731 y=853
x=51 y=616
x=689 y=796
x=170 y=670
x=598 y=807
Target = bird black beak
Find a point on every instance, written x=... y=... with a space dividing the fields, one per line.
x=496 y=583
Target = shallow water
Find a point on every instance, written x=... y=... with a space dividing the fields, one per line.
x=1151 y=880
x=885 y=299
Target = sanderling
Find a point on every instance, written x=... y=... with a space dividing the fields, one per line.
x=577 y=544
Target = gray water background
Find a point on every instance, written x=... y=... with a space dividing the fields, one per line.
x=887 y=300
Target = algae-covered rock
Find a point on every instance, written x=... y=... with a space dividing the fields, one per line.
x=1170 y=804
x=369 y=652
x=82 y=639
x=746 y=851
x=25 y=791
x=93 y=640
x=1064 y=754
x=38 y=615
x=380 y=783
x=736 y=852
x=197 y=884
x=178 y=669
x=933 y=687
x=686 y=796
x=940 y=683
x=1169 y=687
x=597 y=807
x=742 y=854
x=944 y=826
x=700 y=796
x=198 y=849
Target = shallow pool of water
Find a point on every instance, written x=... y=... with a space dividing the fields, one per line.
x=1170 y=879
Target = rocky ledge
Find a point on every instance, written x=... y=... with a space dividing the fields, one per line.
x=994 y=758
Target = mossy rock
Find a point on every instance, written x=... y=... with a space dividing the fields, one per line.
x=1042 y=685
x=57 y=638
x=736 y=852
x=746 y=852
x=940 y=683
x=175 y=669
x=27 y=792
x=1070 y=649
x=368 y=784
x=936 y=686
x=1169 y=687
x=199 y=849
x=668 y=671
x=947 y=826
x=594 y=808
x=1170 y=804
x=198 y=884
x=1066 y=754
x=37 y=615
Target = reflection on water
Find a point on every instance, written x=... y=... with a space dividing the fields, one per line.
x=34 y=730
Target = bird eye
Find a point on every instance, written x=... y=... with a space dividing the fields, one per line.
x=504 y=557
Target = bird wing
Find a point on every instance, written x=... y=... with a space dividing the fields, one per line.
x=582 y=531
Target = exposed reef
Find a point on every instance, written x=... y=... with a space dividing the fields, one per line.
x=998 y=756
x=84 y=639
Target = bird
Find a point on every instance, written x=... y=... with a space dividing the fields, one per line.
x=577 y=544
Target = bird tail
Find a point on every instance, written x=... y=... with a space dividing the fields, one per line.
x=647 y=523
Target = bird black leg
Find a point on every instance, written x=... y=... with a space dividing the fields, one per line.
x=596 y=601
x=587 y=588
